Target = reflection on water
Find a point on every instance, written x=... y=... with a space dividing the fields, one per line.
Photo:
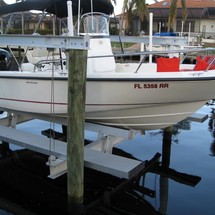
x=211 y=128
x=212 y=148
x=3 y=212
x=183 y=125
x=165 y=172
x=183 y=181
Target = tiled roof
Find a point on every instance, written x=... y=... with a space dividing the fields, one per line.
x=189 y=4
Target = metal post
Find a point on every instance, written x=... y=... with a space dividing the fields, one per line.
x=150 y=35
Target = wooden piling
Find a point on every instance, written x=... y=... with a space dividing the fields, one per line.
x=166 y=146
x=164 y=181
x=75 y=129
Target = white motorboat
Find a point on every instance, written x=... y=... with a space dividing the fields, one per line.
x=140 y=96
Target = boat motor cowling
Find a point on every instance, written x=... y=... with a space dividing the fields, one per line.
x=5 y=60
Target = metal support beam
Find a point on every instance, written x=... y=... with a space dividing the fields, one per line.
x=108 y=163
x=197 y=117
x=63 y=42
x=157 y=40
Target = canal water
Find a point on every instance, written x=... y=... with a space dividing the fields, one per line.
x=192 y=153
x=186 y=185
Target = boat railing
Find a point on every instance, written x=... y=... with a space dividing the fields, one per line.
x=60 y=64
x=56 y=63
x=193 y=53
x=162 y=52
x=211 y=64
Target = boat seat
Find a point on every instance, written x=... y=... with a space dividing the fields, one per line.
x=27 y=67
x=103 y=64
x=168 y=64
x=203 y=63
x=40 y=52
x=101 y=47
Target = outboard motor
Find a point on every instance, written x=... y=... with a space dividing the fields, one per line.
x=5 y=60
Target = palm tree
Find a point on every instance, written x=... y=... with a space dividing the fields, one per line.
x=133 y=7
x=173 y=13
x=142 y=9
x=184 y=10
x=127 y=13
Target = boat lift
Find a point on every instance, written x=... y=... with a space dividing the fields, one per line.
x=97 y=155
x=106 y=162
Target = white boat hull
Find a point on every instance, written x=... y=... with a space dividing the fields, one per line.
x=146 y=117
x=132 y=103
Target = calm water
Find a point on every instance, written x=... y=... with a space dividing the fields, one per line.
x=192 y=153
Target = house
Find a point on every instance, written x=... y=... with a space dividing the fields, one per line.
x=200 y=18
x=12 y=23
x=26 y=22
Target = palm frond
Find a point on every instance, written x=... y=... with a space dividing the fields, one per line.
x=142 y=9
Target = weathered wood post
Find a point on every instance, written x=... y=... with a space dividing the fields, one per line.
x=75 y=129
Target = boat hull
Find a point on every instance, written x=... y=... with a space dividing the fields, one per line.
x=122 y=102
x=146 y=117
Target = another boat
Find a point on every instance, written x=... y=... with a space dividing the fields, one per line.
x=140 y=96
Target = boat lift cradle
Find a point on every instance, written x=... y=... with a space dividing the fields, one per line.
x=97 y=155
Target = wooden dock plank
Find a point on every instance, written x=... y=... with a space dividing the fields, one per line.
x=107 y=163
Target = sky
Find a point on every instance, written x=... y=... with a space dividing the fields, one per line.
x=117 y=8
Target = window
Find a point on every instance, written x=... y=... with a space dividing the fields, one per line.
x=164 y=3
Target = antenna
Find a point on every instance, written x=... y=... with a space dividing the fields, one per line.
x=70 y=18
x=91 y=5
x=79 y=14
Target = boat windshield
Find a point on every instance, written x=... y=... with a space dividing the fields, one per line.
x=94 y=24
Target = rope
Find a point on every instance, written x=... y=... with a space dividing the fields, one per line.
x=52 y=111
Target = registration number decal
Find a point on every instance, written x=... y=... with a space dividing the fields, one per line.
x=31 y=82
x=151 y=86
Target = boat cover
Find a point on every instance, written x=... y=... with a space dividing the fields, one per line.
x=58 y=7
